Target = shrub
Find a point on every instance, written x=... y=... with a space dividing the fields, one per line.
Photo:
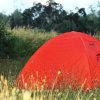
x=26 y=41
x=3 y=38
x=5 y=41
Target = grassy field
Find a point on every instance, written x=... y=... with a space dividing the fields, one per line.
x=10 y=67
x=12 y=93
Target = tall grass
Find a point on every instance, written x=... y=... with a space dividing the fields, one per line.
x=27 y=41
x=8 y=92
x=32 y=33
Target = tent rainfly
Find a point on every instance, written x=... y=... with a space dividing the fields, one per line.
x=72 y=58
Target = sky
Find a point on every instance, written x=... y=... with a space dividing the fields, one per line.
x=8 y=6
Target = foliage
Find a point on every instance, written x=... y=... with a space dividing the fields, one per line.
x=27 y=41
x=21 y=42
x=11 y=67
x=9 y=91
x=3 y=18
x=65 y=26
x=53 y=17
x=6 y=43
x=16 y=19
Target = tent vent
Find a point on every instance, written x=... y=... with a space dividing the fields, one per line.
x=91 y=44
x=98 y=58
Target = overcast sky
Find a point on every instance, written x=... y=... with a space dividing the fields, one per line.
x=8 y=6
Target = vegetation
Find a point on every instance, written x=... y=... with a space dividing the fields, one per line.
x=6 y=43
x=52 y=17
x=10 y=92
x=22 y=33
x=28 y=41
x=10 y=67
x=21 y=44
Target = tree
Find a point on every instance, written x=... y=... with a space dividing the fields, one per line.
x=5 y=41
x=16 y=19
x=4 y=18
x=47 y=16
x=27 y=17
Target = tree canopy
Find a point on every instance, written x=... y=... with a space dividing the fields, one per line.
x=52 y=16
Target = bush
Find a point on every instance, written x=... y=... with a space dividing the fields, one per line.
x=5 y=41
x=21 y=42
x=65 y=26
x=3 y=38
x=26 y=41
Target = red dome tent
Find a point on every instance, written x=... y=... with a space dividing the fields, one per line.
x=72 y=58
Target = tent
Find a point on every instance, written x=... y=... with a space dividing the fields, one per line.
x=69 y=59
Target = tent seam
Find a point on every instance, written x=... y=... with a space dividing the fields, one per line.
x=87 y=56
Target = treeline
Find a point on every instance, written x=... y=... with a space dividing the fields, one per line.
x=52 y=17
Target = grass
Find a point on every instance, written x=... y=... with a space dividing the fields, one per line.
x=13 y=93
x=31 y=34
x=11 y=67
x=27 y=41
